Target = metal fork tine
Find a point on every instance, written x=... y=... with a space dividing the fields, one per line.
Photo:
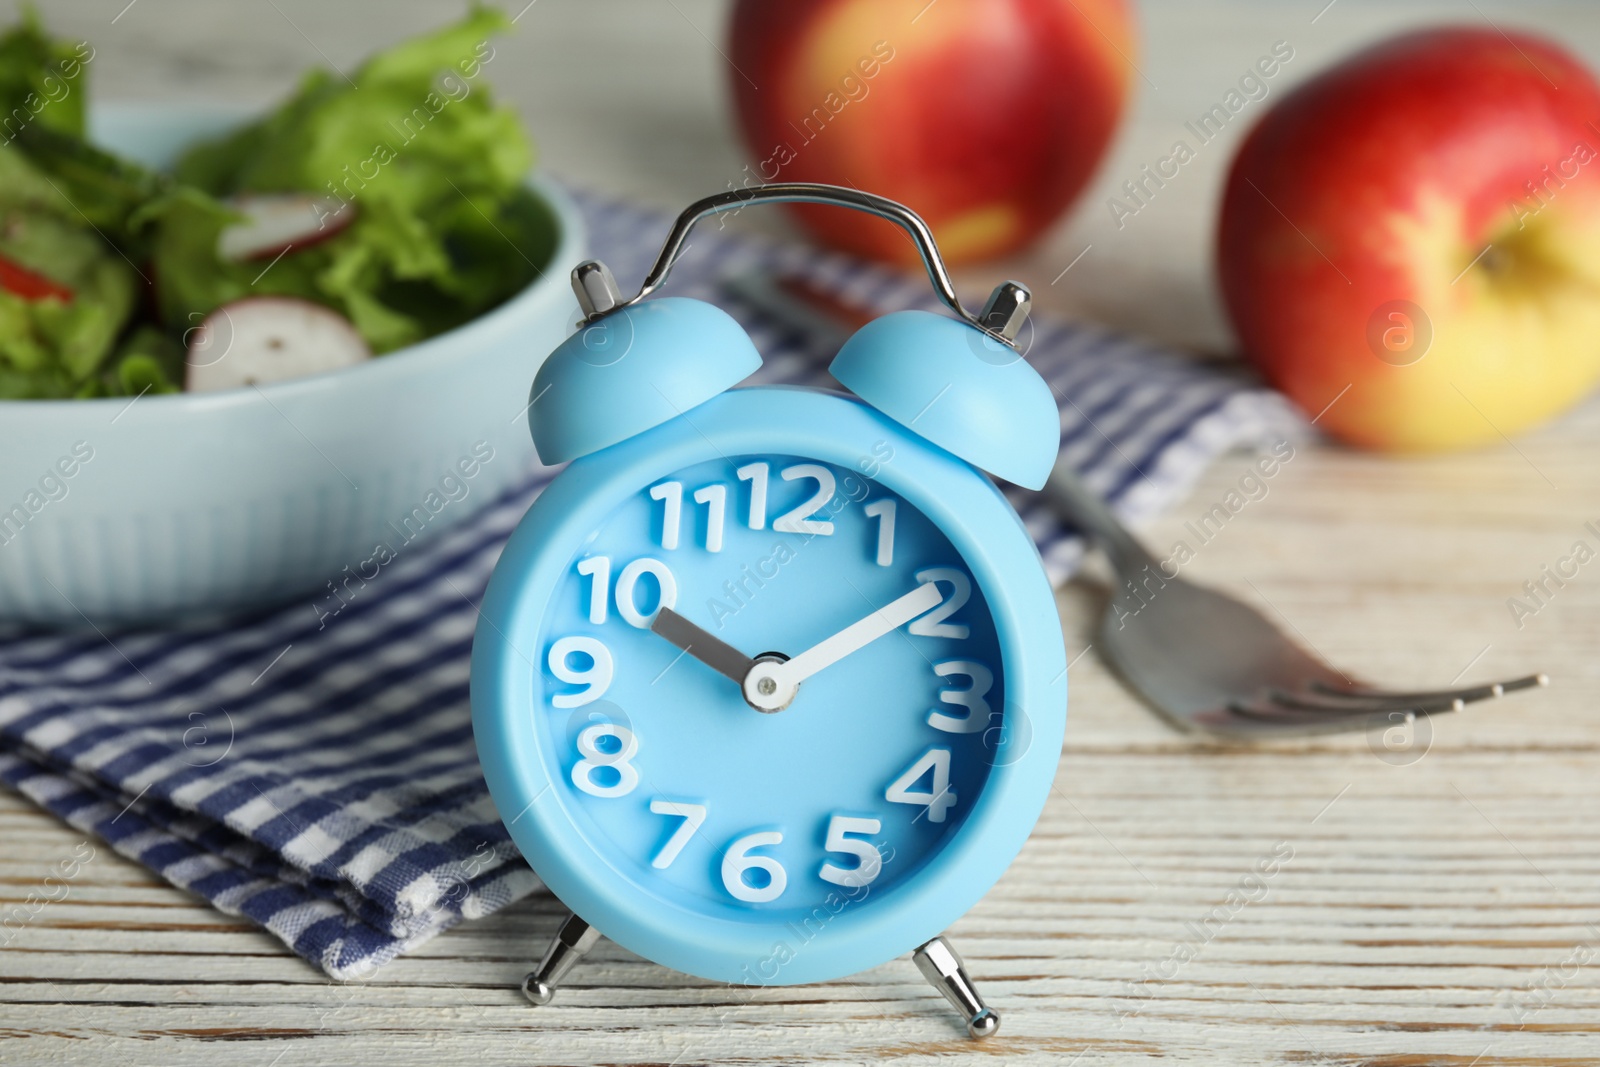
x=1367 y=703
x=1276 y=714
x=1258 y=720
x=1358 y=717
x=1469 y=694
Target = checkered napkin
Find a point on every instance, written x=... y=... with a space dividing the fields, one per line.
x=324 y=784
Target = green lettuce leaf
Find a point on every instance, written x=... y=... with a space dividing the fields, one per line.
x=52 y=347
x=149 y=360
x=103 y=192
x=41 y=80
x=444 y=227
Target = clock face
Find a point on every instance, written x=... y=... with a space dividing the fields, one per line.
x=831 y=776
x=834 y=738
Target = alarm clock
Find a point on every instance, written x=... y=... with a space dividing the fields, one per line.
x=769 y=684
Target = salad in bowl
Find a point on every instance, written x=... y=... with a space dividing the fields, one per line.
x=263 y=345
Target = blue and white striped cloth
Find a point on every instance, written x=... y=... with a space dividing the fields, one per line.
x=324 y=784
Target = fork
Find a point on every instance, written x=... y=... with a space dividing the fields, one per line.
x=1205 y=661
x=1212 y=664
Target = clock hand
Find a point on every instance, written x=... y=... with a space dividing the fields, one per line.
x=714 y=653
x=890 y=617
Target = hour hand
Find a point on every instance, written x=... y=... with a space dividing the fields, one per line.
x=713 y=652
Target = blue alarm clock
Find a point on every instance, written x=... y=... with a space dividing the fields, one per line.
x=769 y=684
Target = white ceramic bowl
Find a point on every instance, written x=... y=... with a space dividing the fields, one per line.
x=203 y=503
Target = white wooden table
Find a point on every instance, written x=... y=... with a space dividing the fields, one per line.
x=1435 y=906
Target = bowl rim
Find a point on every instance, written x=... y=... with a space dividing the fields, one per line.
x=456 y=343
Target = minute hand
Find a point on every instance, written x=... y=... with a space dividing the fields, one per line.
x=890 y=617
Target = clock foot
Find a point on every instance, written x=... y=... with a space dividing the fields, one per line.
x=572 y=942
x=943 y=968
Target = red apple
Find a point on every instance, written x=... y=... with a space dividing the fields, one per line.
x=987 y=117
x=1416 y=232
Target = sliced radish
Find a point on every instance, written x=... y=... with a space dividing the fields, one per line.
x=263 y=339
x=277 y=222
x=29 y=284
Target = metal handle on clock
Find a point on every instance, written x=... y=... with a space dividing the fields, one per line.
x=1001 y=318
